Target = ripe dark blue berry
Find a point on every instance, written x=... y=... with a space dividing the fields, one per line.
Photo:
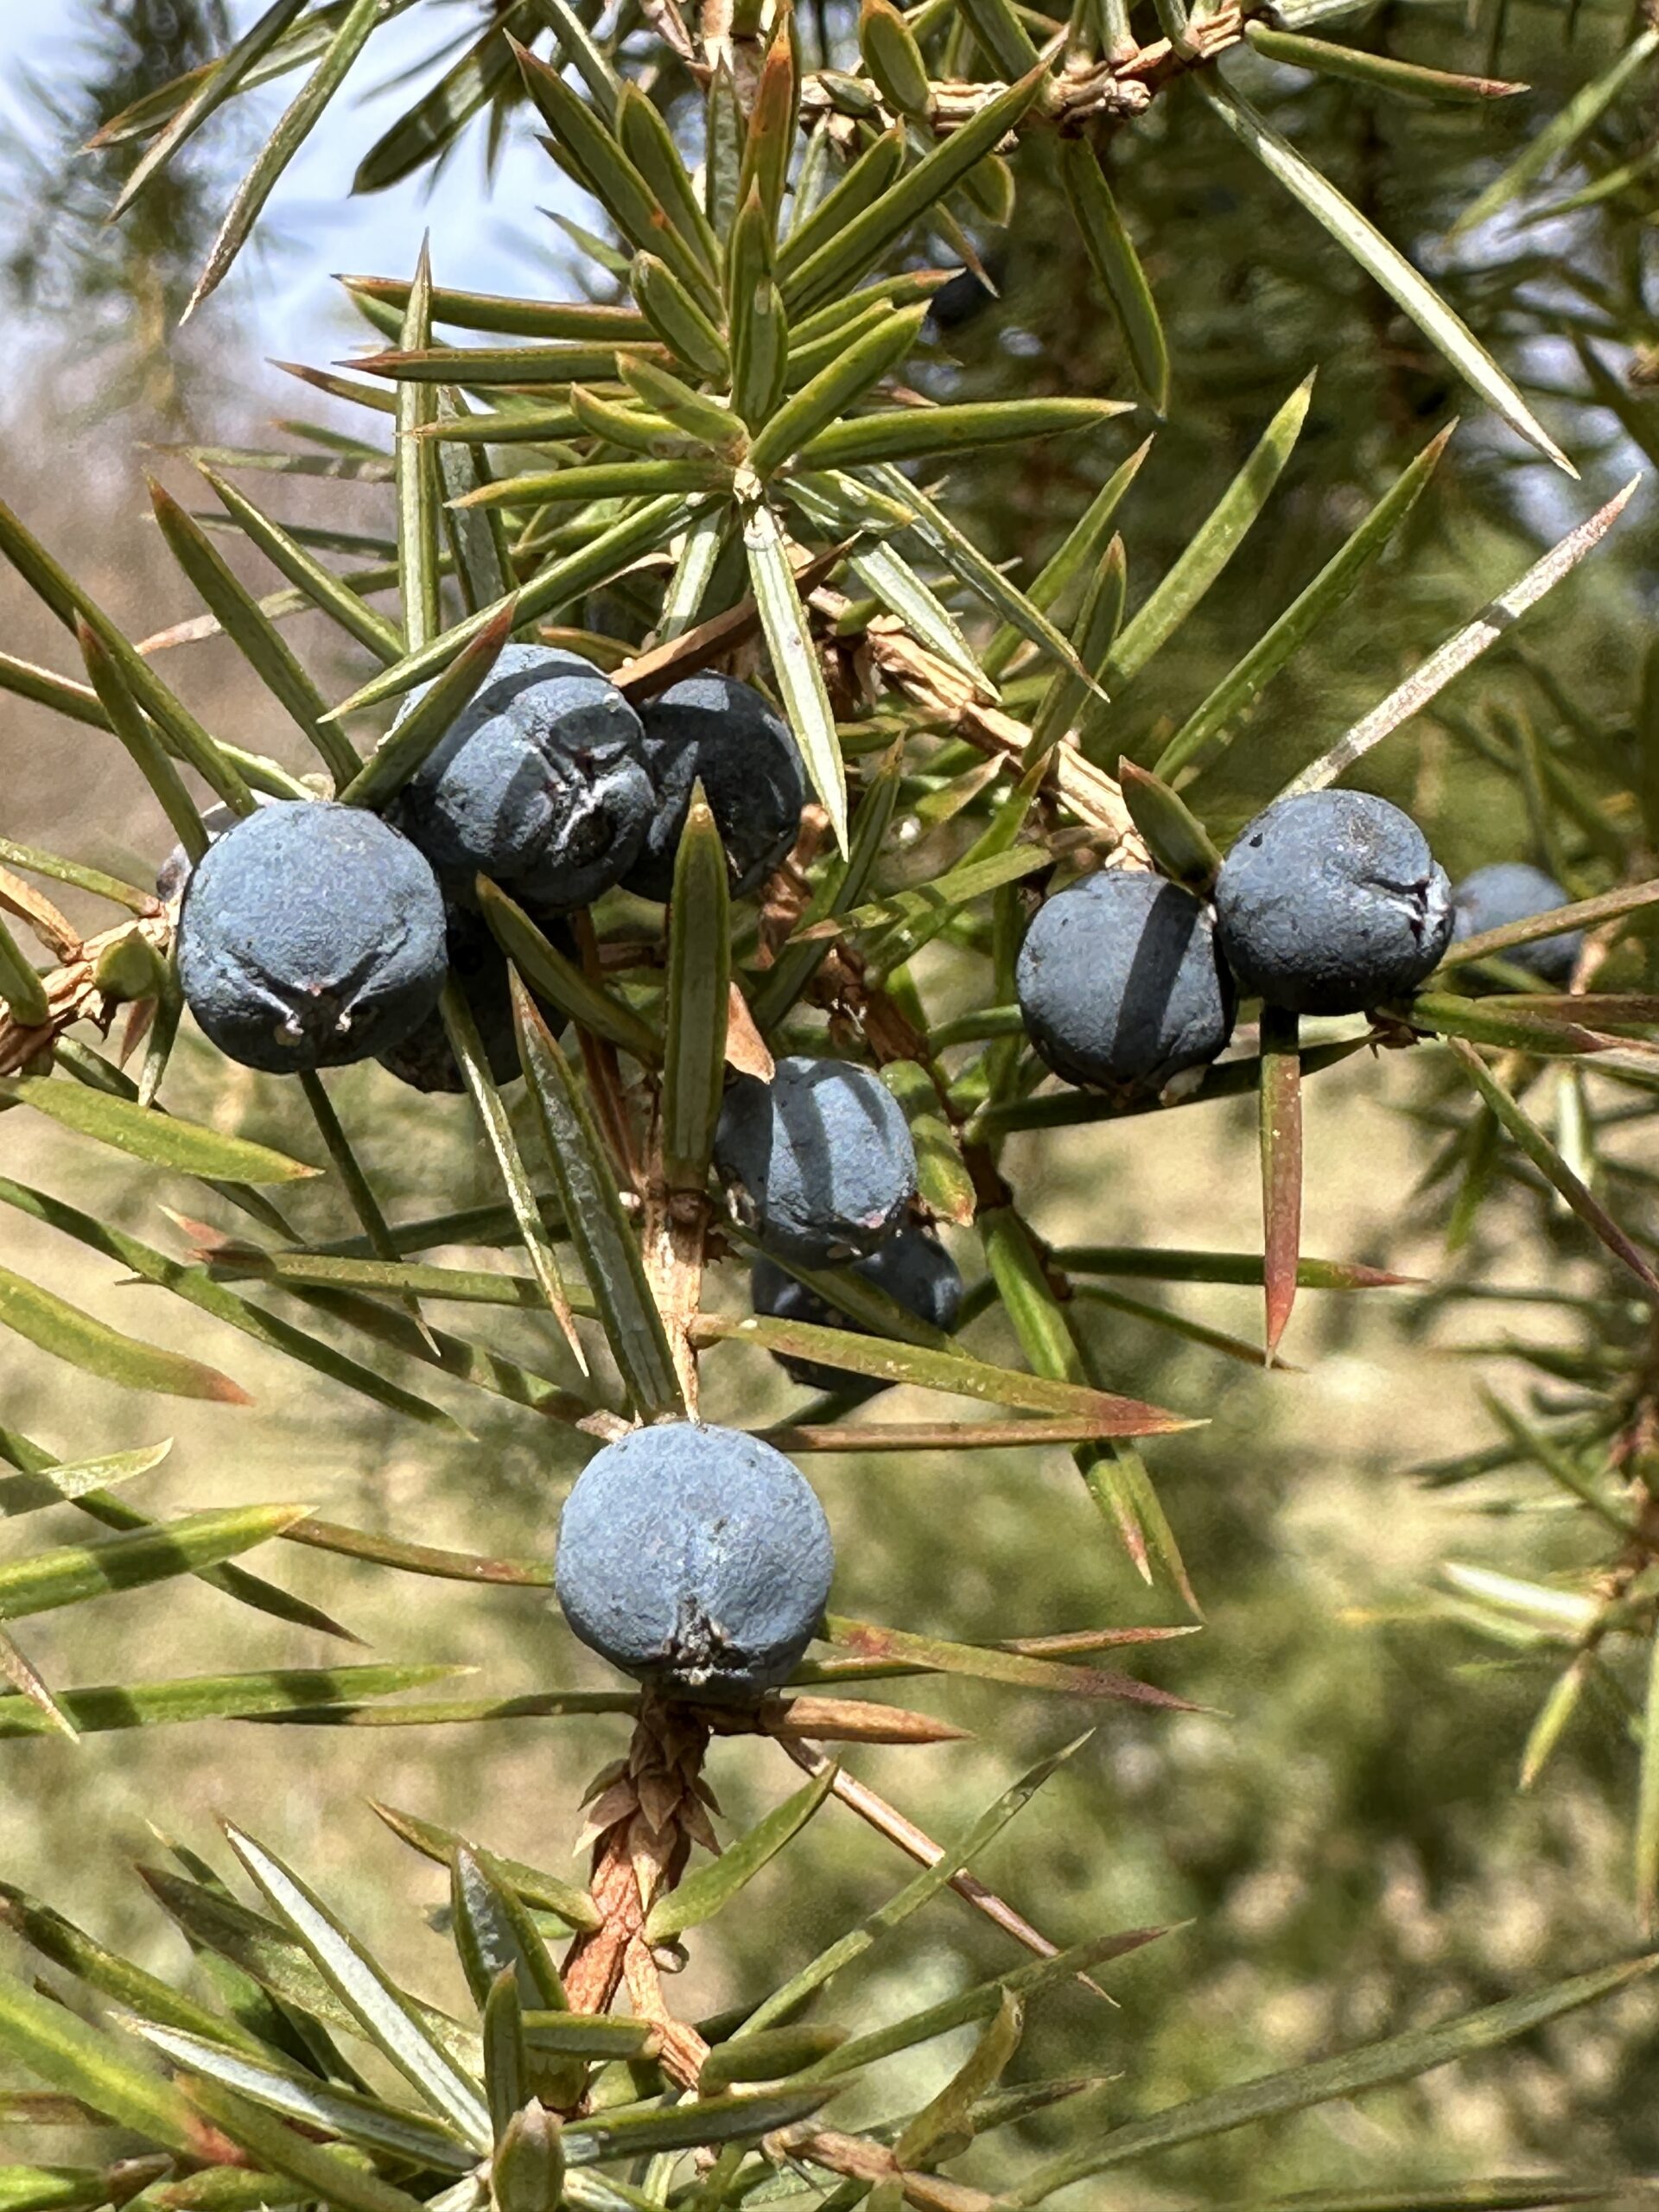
x=966 y=297
x=696 y=1559
x=1510 y=890
x=716 y=728
x=541 y=784
x=1120 y=984
x=1331 y=902
x=913 y=1268
x=311 y=935
x=820 y=1159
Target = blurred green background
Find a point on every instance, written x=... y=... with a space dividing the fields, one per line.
x=1340 y=1829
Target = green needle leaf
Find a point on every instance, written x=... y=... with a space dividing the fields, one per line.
x=901 y=591
x=546 y=1893
x=606 y=556
x=494 y=1933
x=699 y=997
x=857 y=241
x=1212 y=723
x=892 y=58
x=984 y=1663
x=649 y=143
x=1106 y=239
x=1559 y=137
x=418 y=732
x=478 y=543
x=527 y=2171
x=675 y=317
x=215 y=1921
x=279 y=149
x=74 y=1573
x=980 y=2003
x=219 y=1697
x=470 y=1057
x=417 y=474
x=1401 y=2058
x=917 y=433
x=420 y=1559
x=426 y=132
x=1068 y=704
x=194 y=1284
x=804 y=360
x=1078 y=557
x=997 y=26
x=506 y=2077
x=474 y=368
x=96 y=1499
x=969 y=565
x=606 y=171
x=795 y=661
x=1550 y=1164
x=890 y=1361
x=383 y=2013
x=312 y=2106
x=609 y=479
x=1382 y=262
x=837 y=504
x=943 y=2128
x=1459 y=653
x=21 y=986
x=249 y=627
x=94 y=879
x=560 y=982
x=755 y=317
x=214 y=86
x=702 y=1895
x=53 y=1484
x=871 y=175
x=692 y=413
x=183 y=732
x=1175 y=837
x=327 y=2175
x=319 y=585
x=952 y=1861
x=1551 y=1722
x=599 y=1227
x=1444 y=1014
x=768 y=2056
x=1163 y=1265
x=579 y=48
x=64 y=2054
x=53 y=1326
x=706 y=535
x=826 y=398
x=152 y=111
x=1358 y=65
x=147 y=1134
x=1212 y=547
x=710 y=2119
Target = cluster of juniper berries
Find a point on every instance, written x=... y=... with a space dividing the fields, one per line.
x=315 y=934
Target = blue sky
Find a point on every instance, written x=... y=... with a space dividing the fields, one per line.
x=483 y=239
